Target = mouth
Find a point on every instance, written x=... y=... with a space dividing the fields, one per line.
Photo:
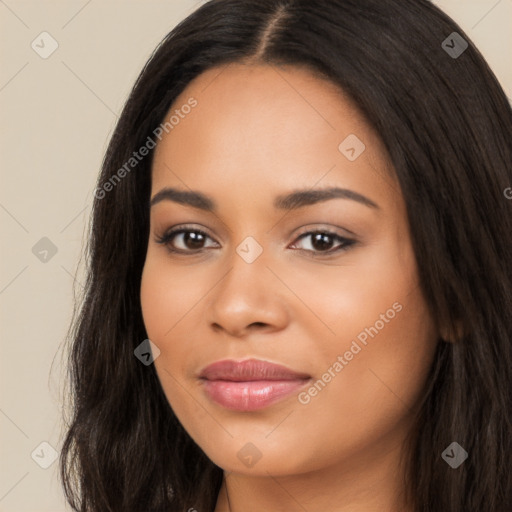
x=251 y=384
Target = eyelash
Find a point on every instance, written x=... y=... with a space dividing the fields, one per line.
x=165 y=239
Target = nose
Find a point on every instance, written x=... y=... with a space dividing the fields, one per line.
x=248 y=298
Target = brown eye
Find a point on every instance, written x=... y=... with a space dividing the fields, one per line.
x=193 y=240
x=323 y=242
x=184 y=240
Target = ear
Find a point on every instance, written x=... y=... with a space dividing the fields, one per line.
x=453 y=333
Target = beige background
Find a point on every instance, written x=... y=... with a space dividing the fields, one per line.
x=57 y=115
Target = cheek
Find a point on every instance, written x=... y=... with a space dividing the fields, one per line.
x=387 y=343
x=171 y=302
x=167 y=297
x=168 y=301
x=337 y=302
x=366 y=398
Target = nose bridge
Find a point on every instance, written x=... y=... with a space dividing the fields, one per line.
x=246 y=294
x=248 y=273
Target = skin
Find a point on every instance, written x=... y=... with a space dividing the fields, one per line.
x=257 y=132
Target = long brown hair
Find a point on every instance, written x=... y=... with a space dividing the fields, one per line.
x=447 y=126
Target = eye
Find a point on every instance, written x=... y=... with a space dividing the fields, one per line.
x=187 y=240
x=324 y=242
x=190 y=240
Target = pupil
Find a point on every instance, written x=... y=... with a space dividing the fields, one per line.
x=321 y=241
x=193 y=240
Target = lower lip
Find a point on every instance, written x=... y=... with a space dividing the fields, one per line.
x=250 y=395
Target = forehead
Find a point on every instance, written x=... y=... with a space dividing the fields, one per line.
x=263 y=125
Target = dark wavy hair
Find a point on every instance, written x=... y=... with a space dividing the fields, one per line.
x=447 y=125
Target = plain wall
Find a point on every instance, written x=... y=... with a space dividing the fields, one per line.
x=57 y=116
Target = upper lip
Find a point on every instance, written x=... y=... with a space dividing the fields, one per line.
x=249 y=370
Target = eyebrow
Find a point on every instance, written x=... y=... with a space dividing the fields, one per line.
x=291 y=201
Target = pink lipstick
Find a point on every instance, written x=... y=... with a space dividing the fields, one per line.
x=251 y=384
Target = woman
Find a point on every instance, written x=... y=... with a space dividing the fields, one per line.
x=299 y=292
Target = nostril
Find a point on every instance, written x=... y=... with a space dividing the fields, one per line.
x=259 y=324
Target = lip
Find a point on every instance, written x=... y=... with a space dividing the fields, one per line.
x=250 y=384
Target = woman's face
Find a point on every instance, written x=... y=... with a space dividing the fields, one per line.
x=324 y=285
